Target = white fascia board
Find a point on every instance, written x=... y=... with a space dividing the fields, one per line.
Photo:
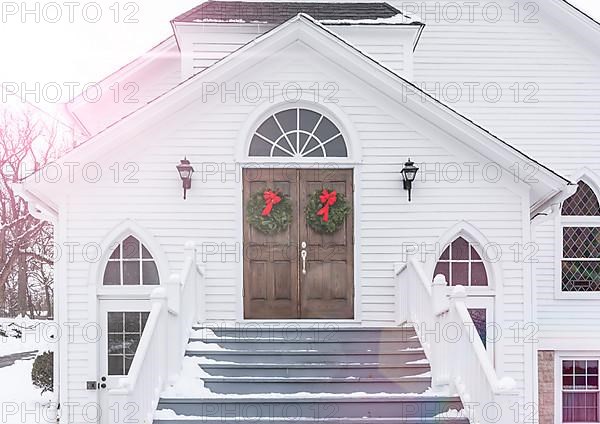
x=344 y=54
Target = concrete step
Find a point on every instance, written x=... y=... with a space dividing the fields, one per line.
x=291 y=334
x=287 y=385
x=292 y=370
x=280 y=420
x=260 y=373
x=315 y=408
x=310 y=357
x=325 y=347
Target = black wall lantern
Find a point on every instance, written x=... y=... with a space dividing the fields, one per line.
x=409 y=173
x=185 y=173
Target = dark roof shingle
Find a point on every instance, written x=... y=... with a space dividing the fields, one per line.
x=279 y=12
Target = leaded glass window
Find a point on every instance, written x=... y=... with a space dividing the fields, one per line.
x=298 y=133
x=583 y=203
x=581 y=244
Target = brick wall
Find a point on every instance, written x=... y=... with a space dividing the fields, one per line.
x=546 y=386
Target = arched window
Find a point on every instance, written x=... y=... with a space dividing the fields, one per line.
x=130 y=264
x=298 y=133
x=461 y=264
x=583 y=203
x=581 y=241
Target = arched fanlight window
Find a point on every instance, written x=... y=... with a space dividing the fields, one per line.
x=581 y=242
x=298 y=133
x=130 y=264
x=461 y=264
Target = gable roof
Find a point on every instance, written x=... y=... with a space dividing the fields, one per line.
x=278 y=12
x=548 y=184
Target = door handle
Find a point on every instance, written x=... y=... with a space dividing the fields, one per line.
x=303 y=255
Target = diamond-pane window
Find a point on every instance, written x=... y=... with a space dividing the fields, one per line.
x=461 y=264
x=583 y=203
x=298 y=133
x=581 y=244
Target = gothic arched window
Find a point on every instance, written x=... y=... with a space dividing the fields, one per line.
x=130 y=264
x=461 y=264
x=581 y=241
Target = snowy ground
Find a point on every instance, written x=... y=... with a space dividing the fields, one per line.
x=20 y=401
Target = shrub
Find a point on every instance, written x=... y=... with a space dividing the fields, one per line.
x=42 y=373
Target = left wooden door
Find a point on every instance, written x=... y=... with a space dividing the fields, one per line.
x=270 y=261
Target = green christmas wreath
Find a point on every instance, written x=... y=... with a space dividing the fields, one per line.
x=326 y=211
x=269 y=211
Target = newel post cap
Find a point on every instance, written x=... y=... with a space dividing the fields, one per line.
x=459 y=292
x=158 y=293
x=440 y=280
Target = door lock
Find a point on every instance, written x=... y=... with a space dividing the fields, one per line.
x=95 y=385
x=303 y=255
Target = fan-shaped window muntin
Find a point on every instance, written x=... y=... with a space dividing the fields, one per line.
x=580 y=264
x=130 y=264
x=462 y=264
x=298 y=133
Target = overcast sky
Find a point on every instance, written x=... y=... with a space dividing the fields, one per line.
x=77 y=50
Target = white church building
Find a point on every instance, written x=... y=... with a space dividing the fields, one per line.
x=377 y=212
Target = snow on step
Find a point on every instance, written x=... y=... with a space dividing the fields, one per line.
x=355 y=375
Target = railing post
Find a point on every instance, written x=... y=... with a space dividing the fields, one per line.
x=190 y=255
x=506 y=397
x=437 y=347
x=159 y=295
x=439 y=286
x=458 y=295
x=402 y=305
x=173 y=318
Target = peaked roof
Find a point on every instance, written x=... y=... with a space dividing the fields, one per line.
x=547 y=185
x=278 y=12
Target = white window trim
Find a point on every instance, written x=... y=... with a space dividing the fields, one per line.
x=571 y=221
x=558 y=358
x=331 y=111
x=593 y=180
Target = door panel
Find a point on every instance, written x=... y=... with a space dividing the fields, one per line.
x=270 y=261
x=274 y=286
x=327 y=288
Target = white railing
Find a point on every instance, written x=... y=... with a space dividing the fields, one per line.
x=459 y=362
x=160 y=353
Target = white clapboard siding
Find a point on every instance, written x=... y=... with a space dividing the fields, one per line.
x=207 y=133
x=563 y=323
x=203 y=44
x=560 y=124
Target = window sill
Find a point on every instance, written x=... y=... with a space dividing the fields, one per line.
x=123 y=292
x=475 y=291
x=560 y=295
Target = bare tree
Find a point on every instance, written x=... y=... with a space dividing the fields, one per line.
x=26 y=144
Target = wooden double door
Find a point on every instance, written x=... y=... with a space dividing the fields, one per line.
x=282 y=282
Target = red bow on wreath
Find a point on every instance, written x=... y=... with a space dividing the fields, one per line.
x=271 y=199
x=327 y=199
